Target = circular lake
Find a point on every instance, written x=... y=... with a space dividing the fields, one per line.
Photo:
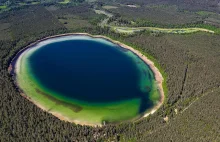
x=86 y=80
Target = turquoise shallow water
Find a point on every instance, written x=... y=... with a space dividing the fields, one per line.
x=87 y=72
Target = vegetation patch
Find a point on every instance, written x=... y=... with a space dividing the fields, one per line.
x=65 y=2
x=3 y=7
x=109 y=7
x=129 y=30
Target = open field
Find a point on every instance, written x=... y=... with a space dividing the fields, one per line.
x=3 y=6
x=65 y=2
x=109 y=7
x=129 y=30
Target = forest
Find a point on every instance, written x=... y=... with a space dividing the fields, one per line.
x=188 y=62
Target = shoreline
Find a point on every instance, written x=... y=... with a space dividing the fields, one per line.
x=158 y=76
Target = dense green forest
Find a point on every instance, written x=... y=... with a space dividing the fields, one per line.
x=190 y=64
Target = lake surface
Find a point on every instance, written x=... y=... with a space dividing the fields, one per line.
x=87 y=80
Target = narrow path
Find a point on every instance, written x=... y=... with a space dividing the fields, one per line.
x=105 y=21
x=132 y=30
x=204 y=94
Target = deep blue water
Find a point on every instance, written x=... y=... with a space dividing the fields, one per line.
x=88 y=70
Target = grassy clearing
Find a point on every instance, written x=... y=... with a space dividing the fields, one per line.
x=35 y=3
x=22 y=3
x=133 y=6
x=65 y=2
x=3 y=7
x=104 y=13
x=109 y=7
x=130 y=30
x=91 y=0
x=205 y=13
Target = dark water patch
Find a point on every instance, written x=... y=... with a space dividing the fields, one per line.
x=86 y=70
